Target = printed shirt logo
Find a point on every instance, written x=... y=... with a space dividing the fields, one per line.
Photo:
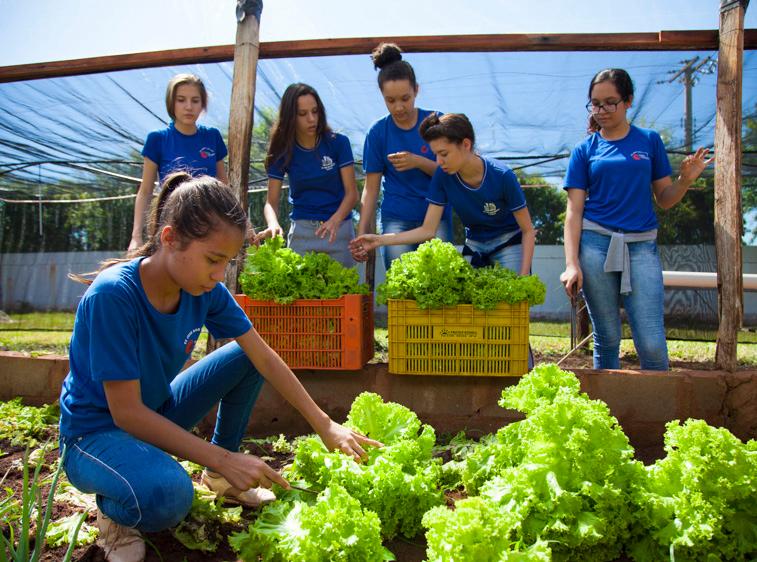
x=640 y=155
x=206 y=152
x=424 y=148
x=327 y=164
x=190 y=340
x=490 y=209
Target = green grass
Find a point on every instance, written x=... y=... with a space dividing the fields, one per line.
x=549 y=340
x=39 y=321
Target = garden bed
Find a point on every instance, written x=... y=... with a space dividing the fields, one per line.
x=164 y=547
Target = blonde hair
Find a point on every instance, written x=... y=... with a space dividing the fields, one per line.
x=181 y=80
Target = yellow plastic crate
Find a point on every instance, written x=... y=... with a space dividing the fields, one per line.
x=458 y=340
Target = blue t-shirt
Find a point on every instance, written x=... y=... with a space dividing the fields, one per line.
x=404 y=192
x=119 y=335
x=617 y=176
x=174 y=151
x=315 y=179
x=486 y=210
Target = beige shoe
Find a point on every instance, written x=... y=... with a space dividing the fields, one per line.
x=120 y=543
x=254 y=497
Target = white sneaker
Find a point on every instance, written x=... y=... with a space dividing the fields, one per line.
x=254 y=497
x=120 y=543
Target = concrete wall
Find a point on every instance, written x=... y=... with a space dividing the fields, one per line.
x=39 y=281
x=642 y=401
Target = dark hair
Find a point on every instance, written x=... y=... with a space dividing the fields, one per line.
x=388 y=58
x=284 y=130
x=455 y=127
x=181 y=80
x=622 y=82
x=194 y=207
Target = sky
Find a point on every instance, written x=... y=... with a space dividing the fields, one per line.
x=48 y=30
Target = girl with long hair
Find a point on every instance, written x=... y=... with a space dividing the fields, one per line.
x=127 y=406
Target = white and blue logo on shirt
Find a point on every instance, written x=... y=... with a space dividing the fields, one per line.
x=640 y=155
x=190 y=340
x=327 y=164
x=490 y=209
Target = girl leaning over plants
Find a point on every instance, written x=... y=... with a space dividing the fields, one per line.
x=125 y=405
x=485 y=194
x=396 y=158
x=611 y=227
x=182 y=146
x=322 y=186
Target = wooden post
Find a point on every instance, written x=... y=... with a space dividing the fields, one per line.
x=728 y=214
x=240 y=118
x=242 y=108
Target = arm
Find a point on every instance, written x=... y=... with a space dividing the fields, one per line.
x=271 y=211
x=667 y=192
x=331 y=226
x=142 y=202
x=364 y=243
x=403 y=161
x=572 y=277
x=368 y=202
x=130 y=414
x=221 y=172
x=276 y=372
x=523 y=217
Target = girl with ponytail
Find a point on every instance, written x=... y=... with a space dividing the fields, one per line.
x=126 y=404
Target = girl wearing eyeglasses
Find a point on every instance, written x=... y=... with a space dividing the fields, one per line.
x=611 y=227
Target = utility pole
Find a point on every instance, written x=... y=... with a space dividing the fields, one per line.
x=688 y=75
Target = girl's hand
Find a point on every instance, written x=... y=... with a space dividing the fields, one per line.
x=403 y=161
x=328 y=228
x=134 y=244
x=694 y=164
x=362 y=245
x=248 y=471
x=349 y=442
x=573 y=280
x=270 y=232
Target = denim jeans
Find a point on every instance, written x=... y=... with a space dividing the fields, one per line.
x=644 y=306
x=138 y=484
x=393 y=226
x=302 y=238
x=509 y=257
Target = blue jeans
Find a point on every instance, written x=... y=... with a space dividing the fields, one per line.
x=393 y=226
x=509 y=257
x=644 y=305
x=138 y=484
x=302 y=238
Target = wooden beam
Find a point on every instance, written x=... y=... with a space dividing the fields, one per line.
x=728 y=214
x=652 y=41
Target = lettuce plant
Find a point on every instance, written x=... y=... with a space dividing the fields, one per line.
x=399 y=482
x=335 y=528
x=700 y=501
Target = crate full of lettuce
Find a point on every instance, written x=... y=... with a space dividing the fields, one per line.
x=447 y=318
x=312 y=310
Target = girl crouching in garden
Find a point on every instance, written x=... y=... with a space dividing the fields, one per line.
x=125 y=405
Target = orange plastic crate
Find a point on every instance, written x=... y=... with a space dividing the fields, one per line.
x=330 y=334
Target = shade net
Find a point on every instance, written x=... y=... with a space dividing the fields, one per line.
x=70 y=147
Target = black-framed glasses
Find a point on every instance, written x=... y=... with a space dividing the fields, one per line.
x=609 y=107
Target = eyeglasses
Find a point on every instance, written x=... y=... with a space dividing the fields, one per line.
x=609 y=107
